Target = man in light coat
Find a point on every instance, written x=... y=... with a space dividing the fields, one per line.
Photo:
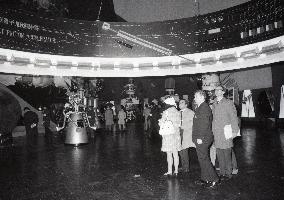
x=186 y=133
x=224 y=117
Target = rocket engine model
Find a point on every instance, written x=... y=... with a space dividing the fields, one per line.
x=75 y=119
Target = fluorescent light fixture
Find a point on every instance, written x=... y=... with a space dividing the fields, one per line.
x=278 y=24
x=208 y=61
x=187 y=63
x=228 y=58
x=85 y=66
x=146 y=66
x=126 y=66
x=3 y=58
x=165 y=65
x=42 y=63
x=64 y=65
x=20 y=60
x=274 y=48
x=107 y=66
x=215 y=30
x=250 y=53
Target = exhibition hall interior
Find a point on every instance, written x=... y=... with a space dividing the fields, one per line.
x=85 y=87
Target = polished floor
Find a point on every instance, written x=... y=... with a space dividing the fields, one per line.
x=130 y=166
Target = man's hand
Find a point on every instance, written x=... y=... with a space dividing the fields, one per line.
x=33 y=125
x=199 y=141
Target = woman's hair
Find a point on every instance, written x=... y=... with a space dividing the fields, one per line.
x=166 y=106
x=201 y=93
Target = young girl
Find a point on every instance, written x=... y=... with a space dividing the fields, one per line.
x=121 y=119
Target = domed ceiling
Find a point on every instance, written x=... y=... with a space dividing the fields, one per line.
x=161 y=10
x=122 y=10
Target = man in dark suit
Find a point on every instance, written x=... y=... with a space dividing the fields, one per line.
x=202 y=137
x=30 y=122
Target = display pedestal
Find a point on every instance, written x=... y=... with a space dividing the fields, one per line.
x=75 y=131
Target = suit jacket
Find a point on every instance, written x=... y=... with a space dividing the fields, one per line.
x=202 y=121
x=186 y=126
x=224 y=113
x=30 y=118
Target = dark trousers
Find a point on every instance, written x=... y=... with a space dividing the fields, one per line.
x=31 y=136
x=225 y=161
x=184 y=158
x=234 y=161
x=207 y=171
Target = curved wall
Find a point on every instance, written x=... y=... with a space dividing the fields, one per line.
x=243 y=36
x=244 y=24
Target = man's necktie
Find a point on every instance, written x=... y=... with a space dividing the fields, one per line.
x=181 y=118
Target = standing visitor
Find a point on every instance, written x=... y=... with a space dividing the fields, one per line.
x=202 y=137
x=91 y=113
x=154 y=117
x=46 y=121
x=121 y=119
x=146 y=114
x=186 y=133
x=31 y=122
x=171 y=142
x=225 y=128
x=109 y=118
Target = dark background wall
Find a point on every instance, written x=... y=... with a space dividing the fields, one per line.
x=277 y=81
x=148 y=87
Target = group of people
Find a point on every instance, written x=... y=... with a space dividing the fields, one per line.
x=31 y=120
x=202 y=128
x=121 y=118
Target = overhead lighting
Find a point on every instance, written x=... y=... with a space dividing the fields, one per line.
x=146 y=66
x=3 y=58
x=85 y=66
x=20 y=60
x=107 y=66
x=187 y=63
x=126 y=66
x=250 y=53
x=274 y=48
x=64 y=65
x=208 y=61
x=228 y=58
x=165 y=65
x=42 y=63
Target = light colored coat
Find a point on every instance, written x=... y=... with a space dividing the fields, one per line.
x=171 y=142
x=186 y=125
x=109 y=117
x=224 y=113
x=121 y=117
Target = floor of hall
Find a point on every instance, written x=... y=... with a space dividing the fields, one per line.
x=130 y=166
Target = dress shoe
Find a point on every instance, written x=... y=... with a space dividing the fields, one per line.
x=175 y=174
x=212 y=184
x=235 y=171
x=201 y=182
x=168 y=174
x=225 y=177
x=186 y=170
x=183 y=170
